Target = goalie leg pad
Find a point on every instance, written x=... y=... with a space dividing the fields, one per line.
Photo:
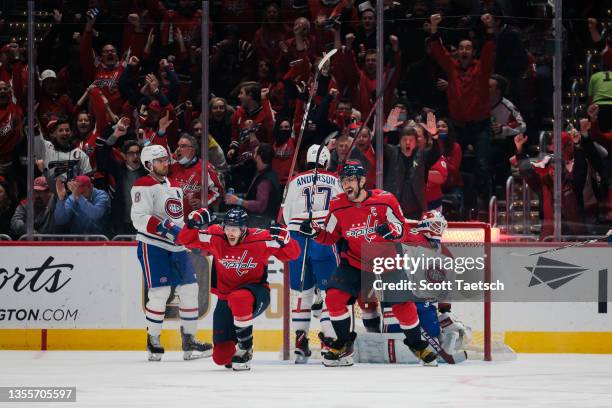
x=155 y=308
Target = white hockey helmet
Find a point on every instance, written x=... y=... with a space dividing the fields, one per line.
x=432 y=224
x=150 y=153
x=324 y=156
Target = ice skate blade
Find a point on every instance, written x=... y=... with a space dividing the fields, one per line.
x=433 y=363
x=241 y=366
x=196 y=355
x=155 y=356
x=342 y=362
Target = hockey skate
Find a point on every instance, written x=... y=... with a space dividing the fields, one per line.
x=340 y=354
x=242 y=359
x=302 y=351
x=193 y=349
x=325 y=343
x=427 y=355
x=154 y=348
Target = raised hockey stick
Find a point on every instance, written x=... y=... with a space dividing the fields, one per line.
x=322 y=63
x=572 y=245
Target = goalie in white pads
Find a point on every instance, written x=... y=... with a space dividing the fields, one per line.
x=309 y=198
x=157 y=215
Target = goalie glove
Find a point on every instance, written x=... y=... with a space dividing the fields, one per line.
x=309 y=229
x=279 y=233
x=388 y=231
x=168 y=230
x=199 y=218
x=448 y=324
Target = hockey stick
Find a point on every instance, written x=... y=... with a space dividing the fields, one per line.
x=322 y=63
x=572 y=245
x=309 y=204
x=435 y=344
x=372 y=110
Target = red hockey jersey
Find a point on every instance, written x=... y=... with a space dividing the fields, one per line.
x=356 y=223
x=241 y=264
x=190 y=180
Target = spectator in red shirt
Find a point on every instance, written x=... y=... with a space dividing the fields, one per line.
x=453 y=186
x=284 y=148
x=361 y=83
x=253 y=119
x=11 y=119
x=269 y=36
x=50 y=102
x=106 y=72
x=468 y=99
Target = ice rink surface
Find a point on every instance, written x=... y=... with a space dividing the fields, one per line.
x=126 y=379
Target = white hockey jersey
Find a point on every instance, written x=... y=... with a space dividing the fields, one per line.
x=64 y=165
x=301 y=191
x=152 y=203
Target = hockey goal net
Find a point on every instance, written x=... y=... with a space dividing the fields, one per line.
x=486 y=343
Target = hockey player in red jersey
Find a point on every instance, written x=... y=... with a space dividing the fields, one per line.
x=241 y=280
x=358 y=217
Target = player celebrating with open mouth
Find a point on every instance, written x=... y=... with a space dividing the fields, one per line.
x=360 y=216
x=241 y=257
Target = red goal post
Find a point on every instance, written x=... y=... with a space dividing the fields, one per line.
x=457 y=232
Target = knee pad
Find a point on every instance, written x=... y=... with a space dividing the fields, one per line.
x=188 y=295
x=223 y=352
x=406 y=314
x=241 y=303
x=157 y=299
x=336 y=301
x=304 y=302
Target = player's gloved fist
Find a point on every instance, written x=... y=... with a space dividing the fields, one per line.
x=387 y=231
x=168 y=230
x=199 y=218
x=308 y=229
x=279 y=233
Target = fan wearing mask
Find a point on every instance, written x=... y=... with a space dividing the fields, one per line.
x=187 y=170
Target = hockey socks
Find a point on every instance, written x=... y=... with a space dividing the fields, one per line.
x=372 y=325
x=241 y=305
x=300 y=313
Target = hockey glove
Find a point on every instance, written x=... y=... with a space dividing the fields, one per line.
x=388 y=231
x=279 y=233
x=168 y=230
x=199 y=218
x=309 y=229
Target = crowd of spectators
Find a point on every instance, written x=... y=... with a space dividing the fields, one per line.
x=468 y=88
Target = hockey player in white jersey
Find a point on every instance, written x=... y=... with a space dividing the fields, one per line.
x=157 y=215
x=309 y=198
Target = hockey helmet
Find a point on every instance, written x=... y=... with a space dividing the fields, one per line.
x=432 y=224
x=324 y=155
x=150 y=153
x=352 y=168
x=236 y=217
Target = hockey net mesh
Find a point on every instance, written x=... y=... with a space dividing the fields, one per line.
x=474 y=235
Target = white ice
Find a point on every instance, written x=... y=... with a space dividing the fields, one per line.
x=125 y=379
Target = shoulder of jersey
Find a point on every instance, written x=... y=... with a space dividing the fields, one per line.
x=257 y=234
x=145 y=181
x=338 y=201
